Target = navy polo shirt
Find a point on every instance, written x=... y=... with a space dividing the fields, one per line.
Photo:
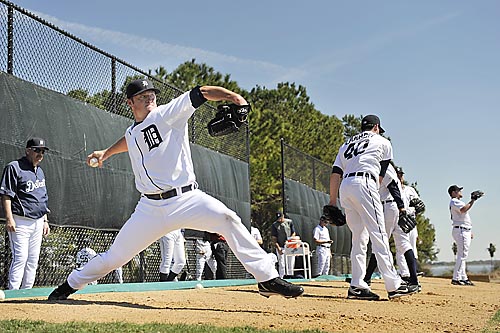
x=26 y=188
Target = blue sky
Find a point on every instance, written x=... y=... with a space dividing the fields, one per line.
x=429 y=69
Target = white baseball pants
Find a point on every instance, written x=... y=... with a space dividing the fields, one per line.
x=463 y=238
x=173 y=254
x=204 y=256
x=25 y=244
x=360 y=198
x=155 y=218
x=324 y=255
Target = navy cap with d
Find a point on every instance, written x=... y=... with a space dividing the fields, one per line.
x=139 y=86
x=399 y=170
x=36 y=143
x=371 y=119
x=454 y=188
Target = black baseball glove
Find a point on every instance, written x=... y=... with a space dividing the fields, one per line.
x=228 y=119
x=476 y=194
x=418 y=204
x=406 y=222
x=334 y=215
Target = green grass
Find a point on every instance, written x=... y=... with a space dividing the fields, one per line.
x=28 y=326
x=493 y=325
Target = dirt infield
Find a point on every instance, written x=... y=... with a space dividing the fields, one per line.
x=440 y=307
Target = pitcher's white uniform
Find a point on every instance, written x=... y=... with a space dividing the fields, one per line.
x=359 y=159
x=161 y=160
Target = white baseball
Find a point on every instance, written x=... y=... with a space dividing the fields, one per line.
x=198 y=286
x=94 y=162
x=2 y=295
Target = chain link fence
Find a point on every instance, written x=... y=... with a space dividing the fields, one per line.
x=41 y=53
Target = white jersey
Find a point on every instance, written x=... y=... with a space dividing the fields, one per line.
x=363 y=153
x=459 y=219
x=409 y=193
x=159 y=149
x=322 y=234
x=390 y=176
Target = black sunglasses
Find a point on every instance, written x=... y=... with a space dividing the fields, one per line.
x=38 y=150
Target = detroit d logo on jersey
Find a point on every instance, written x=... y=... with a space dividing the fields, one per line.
x=152 y=136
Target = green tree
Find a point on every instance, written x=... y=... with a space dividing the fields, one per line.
x=352 y=125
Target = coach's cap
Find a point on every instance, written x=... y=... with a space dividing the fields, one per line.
x=139 y=86
x=371 y=119
x=36 y=143
x=323 y=218
x=454 y=188
x=400 y=170
x=279 y=214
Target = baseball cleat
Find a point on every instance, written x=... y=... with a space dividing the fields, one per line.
x=361 y=293
x=457 y=283
x=62 y=292
x=467 y=282
x=278 y=286
x=403 y=290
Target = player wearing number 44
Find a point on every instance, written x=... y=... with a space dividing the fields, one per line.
x=160 y=153
x=357 y=172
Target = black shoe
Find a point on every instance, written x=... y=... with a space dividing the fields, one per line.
x=280 y=287
x=62 y=292
x=361 y=293
x=368 y=282
x=420 y=273
x=406 y=279
x=457 y=283
x=467 y=282
x=403 y=290
x=419 y=287
x=163 y=277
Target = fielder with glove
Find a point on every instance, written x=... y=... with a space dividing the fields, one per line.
x=461 y=231
x=228 y=119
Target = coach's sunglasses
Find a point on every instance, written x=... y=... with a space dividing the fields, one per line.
x=38 y=150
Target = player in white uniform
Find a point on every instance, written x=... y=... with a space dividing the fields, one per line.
x=173 y=255
x=159 y=151
x=204 y=256
x=408 y=193
x=393 y=203
x=321 y=237
x=360 y=165
x=462 y=234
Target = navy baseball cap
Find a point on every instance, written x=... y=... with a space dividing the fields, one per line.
x=139 y=86
x=400 y=170
x=36 y=143
x=453 y=188
x=371 y=119
x=279 y=214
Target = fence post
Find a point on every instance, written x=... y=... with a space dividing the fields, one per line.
x=10 y=40
x=283 y=174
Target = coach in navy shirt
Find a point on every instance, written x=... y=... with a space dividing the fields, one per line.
x=24 y=200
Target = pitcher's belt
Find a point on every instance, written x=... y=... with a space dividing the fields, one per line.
x=170 y=193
